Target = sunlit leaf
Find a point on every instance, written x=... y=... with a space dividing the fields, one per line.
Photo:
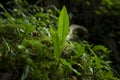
x=63 y=25
x=59 y=36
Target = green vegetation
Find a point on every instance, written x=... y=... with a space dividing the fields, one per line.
x=33 y=46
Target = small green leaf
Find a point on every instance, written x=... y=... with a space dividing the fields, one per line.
x=65 y=63
x=100 y=47
x=80 y=49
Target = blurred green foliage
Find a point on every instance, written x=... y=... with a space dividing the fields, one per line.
x=29 y=51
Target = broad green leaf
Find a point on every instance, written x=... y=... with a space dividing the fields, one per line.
x=63 y=26
x=59 y=36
